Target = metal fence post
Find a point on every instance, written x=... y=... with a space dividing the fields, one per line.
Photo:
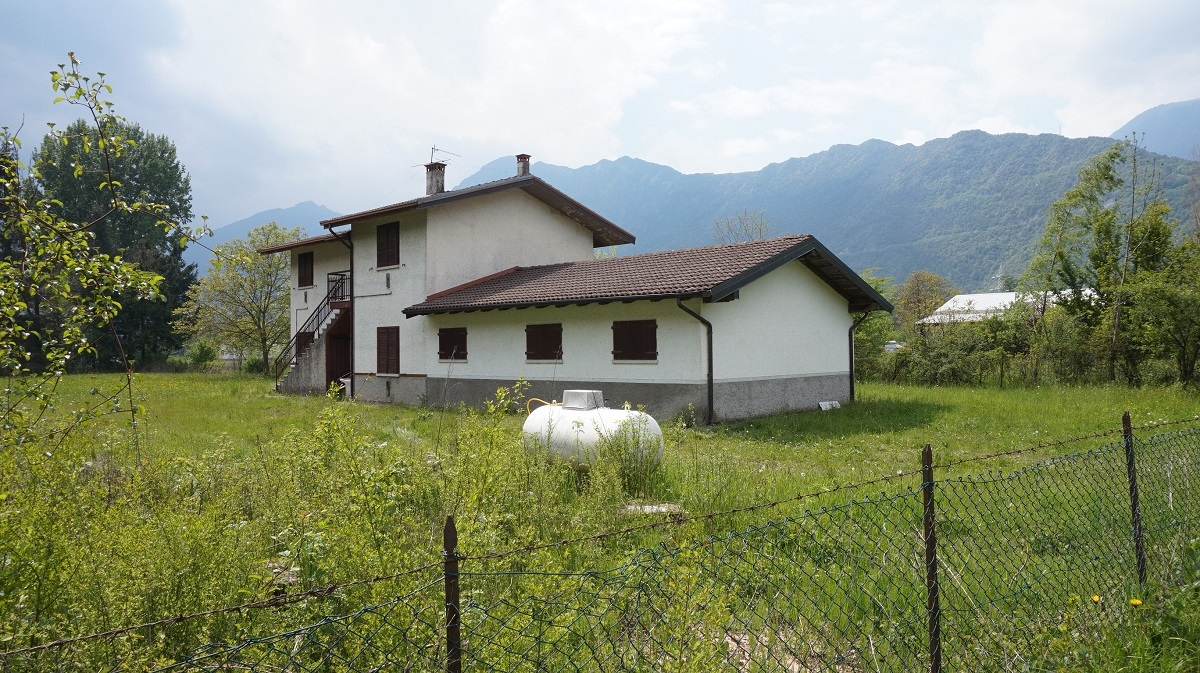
x=931 y=581
x=450 y=576
x=1135 y=506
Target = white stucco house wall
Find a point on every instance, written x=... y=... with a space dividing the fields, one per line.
x=451 y=295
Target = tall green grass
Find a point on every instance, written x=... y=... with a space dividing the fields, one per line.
x=225 y=491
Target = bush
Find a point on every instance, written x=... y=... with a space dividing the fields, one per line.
x=253 y=365
x=201 y=354
x=178 y=364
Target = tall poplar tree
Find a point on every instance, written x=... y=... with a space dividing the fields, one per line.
x=147 y=170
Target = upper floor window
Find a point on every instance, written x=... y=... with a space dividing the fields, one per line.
x=387 y=244
x=543 y=342
x=305 y=267
x=635 y=340
x=452 y=343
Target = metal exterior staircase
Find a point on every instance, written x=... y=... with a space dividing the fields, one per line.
x=336 y=300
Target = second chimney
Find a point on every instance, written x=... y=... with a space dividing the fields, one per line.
x=435 y=178
x=522 y=164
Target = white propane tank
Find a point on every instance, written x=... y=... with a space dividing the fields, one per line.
x=573 y=430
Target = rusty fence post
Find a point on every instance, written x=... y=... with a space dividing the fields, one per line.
x=933 y=607
x=450 y=576
x=1135 y=505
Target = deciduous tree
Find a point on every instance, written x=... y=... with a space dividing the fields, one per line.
x=243 y=302
x=1111 y=226
x=1166 y=308
x=920 y=295
x=873 y=333
x=747 y=225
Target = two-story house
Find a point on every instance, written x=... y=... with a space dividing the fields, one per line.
x=444 y=298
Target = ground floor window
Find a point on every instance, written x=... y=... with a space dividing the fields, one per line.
x=635 y=340
x=543 y=342
x=452 y=343
x=387 y=350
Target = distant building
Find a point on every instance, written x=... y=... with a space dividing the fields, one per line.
x=971 y=308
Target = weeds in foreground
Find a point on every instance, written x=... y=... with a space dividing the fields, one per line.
x=294 y=494
x=1151 y=630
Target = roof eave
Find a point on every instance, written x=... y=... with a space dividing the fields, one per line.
x=282 y=247
x=604 y=232
x=413 y=311
x=864 y=299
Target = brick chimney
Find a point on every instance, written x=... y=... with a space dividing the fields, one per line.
x=435 y=178
x=523 y=164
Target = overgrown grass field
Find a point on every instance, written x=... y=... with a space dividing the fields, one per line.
x=226 y=492
x=191 y=414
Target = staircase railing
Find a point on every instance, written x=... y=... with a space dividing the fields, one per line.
x=339 y=291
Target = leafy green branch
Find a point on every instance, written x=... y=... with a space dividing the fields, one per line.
x=56 y=288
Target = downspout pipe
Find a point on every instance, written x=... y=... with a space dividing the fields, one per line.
x=708 y=417
x=851 y=333
x=349 y=246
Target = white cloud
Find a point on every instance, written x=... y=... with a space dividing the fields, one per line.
x=273 y=102
x=357 y=91
x=1101 y=62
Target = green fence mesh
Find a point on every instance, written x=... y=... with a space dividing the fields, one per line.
x=827 y=589
x=1027 y=561
x=404 y=634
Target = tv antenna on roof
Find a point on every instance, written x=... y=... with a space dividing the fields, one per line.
x=435 y=151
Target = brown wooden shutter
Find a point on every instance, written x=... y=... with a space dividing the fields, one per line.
x=543 y=342
x=387 y=350
x=305 y=264
x=452 y=343
x=635 y=340
x=387 y=244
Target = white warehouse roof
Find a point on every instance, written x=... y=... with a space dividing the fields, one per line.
x=971 y=308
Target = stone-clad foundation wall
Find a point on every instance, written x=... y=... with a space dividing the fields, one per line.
x=759 y=397
x=406 y=390
x=308 y=376
x=733 y=399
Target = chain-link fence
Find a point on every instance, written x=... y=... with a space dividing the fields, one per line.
x=1024 y=563
x=994 y=571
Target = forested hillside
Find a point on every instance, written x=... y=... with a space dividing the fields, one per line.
x=968 y=207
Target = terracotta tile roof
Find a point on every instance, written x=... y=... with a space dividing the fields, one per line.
x=715 y=271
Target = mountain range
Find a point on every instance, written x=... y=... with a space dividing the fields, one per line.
x=305 y=215
x=969 y=207
x=1172 y=129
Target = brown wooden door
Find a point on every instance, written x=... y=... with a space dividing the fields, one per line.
x=337 y=358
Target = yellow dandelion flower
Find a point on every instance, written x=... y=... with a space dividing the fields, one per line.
x=1135 y=602
x=1095 y=599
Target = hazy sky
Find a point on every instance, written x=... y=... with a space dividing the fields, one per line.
x=339 y=102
